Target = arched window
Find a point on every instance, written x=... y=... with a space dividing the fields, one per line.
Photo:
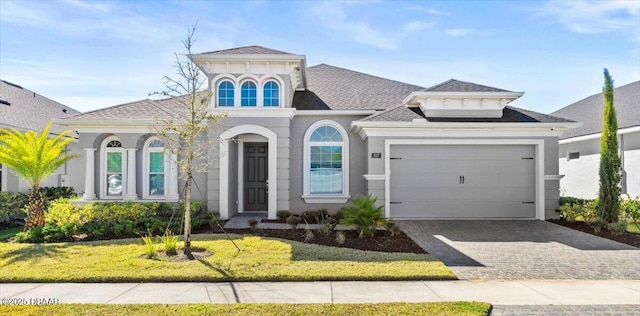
x=271 y=94
x=113 y=168
x=248 y=94
x=226 y=92
x=155 y=168
x=326 y=163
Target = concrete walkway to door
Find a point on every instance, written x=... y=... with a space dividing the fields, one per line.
x=520 y=250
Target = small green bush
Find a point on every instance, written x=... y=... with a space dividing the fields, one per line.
x=54 y=193
x=570 y=211
x=170 y=243
x=12 y=207
x=150 y=249
x=294 y=221
x=617 y=228
x=253 y=223
x=314 y=217
x=33 y=235
x=282 y=215
x=572 y=200
x=364 y=215
x=630 y=209
x=62 y=212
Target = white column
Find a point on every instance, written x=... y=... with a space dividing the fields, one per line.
x=130 y=183
x=89 y=175
x=172 y=179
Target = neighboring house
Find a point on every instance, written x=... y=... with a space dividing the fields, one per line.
x=580 y=147
x=301 y=138
x=25 y=110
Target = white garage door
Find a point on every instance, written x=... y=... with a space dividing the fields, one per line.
x=462 y=181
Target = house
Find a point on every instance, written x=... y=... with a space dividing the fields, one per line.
x=580 y=148
x=25 y=110
x=300 y=138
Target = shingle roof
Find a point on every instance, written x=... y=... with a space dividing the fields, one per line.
x=24 y=109
x=247 y=50
x=626 y=100
x=511 y=114
x=337 y=88
x=453 y=85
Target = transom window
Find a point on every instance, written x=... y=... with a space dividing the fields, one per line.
x=248 y=94
x=271 y=94
x=226 y=91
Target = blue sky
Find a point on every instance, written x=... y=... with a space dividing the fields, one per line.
x=93 y=54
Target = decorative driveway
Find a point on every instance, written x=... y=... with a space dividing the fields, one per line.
x=527 y=249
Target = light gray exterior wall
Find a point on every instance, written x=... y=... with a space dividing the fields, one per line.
x=581 y=177
x=375 y=166
x=357 y=162
x=281 y=127
x=128 y=140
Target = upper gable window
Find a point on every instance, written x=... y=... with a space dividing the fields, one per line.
x=271 y=94
x=226 y=92
x=248 y=94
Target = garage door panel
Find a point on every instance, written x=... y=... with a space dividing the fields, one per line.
x=462 y=181
x=460 y=166
x=445 y=194
x=469 y=210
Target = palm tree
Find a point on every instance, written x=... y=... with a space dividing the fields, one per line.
x=34 y=157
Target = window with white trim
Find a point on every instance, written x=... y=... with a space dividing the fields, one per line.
x=271 y=94
x=155 y=168
x=326 y=170
x=226 y=93
x=248 y=94
x=114 y=166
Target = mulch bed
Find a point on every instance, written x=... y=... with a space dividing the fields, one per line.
x=625 y=238
x=382 y=241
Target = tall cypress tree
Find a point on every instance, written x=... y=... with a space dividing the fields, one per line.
x=609 y=158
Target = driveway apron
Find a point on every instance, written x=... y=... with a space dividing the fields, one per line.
x=525 y=249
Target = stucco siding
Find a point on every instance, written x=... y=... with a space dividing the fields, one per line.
x=581 y=176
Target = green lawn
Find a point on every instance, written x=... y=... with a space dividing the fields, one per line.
x=453 y=308
x=261 y=259
x=9 y=232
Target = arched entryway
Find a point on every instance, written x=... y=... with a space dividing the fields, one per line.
x=225 y=172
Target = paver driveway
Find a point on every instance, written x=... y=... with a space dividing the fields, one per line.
x=516 y=250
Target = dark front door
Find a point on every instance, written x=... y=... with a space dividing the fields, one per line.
x=255 y=176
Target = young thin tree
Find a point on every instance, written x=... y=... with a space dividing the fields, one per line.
x=33 y=157
x=185 y=135
x=609 y=194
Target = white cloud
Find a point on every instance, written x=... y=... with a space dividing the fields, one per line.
x=332 y=15
x=589 y=17
x=458 y=32
x=418 y=26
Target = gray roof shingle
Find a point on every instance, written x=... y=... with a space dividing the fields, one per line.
x=337 y=88
x=24 y=109
x=453 y=85
x=511 y=114
x=626 y=100
x=247 y=50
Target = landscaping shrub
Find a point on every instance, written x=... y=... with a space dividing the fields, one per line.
x=282 y=215
x=570 y=211
x=294 y=221
x=572 y=200
x=364 y=215
x=340 y=238
x=150 y=249
x=33 y=235
x=253 y=223
x=170 y=243
x=54 y=193
x=62 y=212
x=630 y=209
x=12 y=207
x=314 y=217
x=617 y=228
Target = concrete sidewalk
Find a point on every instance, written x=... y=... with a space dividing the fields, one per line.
x=528 y=292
